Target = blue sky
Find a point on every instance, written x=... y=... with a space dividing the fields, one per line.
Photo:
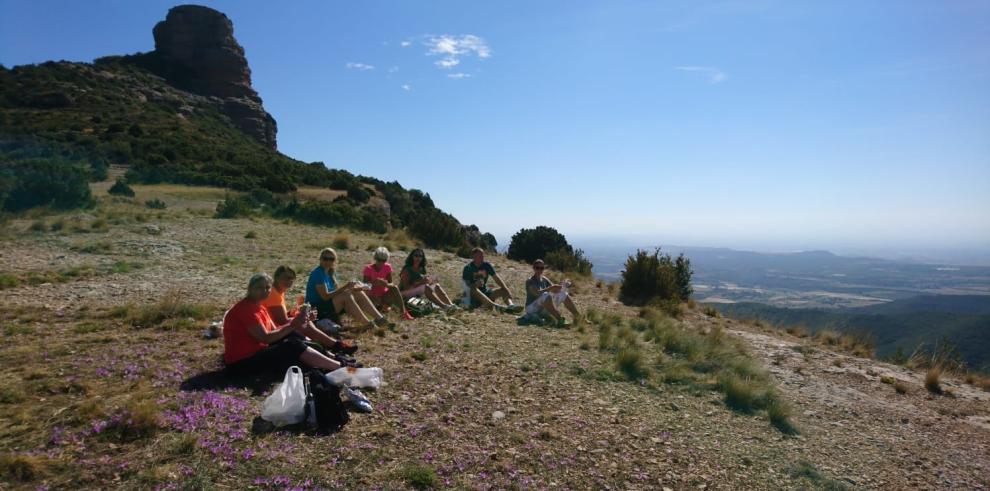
x=768 y=124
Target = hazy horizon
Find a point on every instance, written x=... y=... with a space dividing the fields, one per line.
x=844 y=126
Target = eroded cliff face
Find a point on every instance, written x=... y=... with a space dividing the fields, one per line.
x=195 y=50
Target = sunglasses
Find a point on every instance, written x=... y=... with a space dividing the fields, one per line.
x=328 y=258
x=539 y=268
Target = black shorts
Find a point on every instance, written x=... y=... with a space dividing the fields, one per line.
x=326 y=310
x=276 y=358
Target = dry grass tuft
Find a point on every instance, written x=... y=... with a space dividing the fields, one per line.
x=171 y=311
x=933 y=380
x=797 y=331
x=341 y=241
x=21 y=468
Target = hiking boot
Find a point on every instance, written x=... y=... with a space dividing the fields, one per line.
x=514 y=309
x=358 y=401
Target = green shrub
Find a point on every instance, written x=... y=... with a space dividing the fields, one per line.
x=438 y=229
x=120 y=188
x=156 y=204
x=655 y=277
x=43 y=182
x=9 y=281
x=235 y=207
x=420 y=476
x=542 y=242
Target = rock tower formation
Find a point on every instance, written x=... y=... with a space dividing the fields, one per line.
x=195 y=50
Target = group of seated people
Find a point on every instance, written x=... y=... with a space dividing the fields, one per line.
x=262 y=335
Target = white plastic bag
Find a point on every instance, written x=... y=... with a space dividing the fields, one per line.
x=287 y=404
x=356 y=377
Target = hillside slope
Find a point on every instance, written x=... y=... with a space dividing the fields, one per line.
x=184 y=113
x=472 y=401
x=902 y=324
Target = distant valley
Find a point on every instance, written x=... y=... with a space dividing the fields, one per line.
x=815 y=279
x=900 y=304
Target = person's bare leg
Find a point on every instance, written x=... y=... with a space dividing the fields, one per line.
x=432 y=296
x=365 y=303
x=347 y=302
x=311 y=332
x=550 y=307
x=442 y=295
x=501 y=294
x=569 y=304
x=487 y=302
x=314 y=359
x=395 y=297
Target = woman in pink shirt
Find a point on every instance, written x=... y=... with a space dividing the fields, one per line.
x=379 y=275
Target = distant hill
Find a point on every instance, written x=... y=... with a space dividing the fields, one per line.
x=962 y=319
x=184 y=113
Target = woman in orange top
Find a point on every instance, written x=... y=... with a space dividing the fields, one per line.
x=280 y=314
x=253 y=343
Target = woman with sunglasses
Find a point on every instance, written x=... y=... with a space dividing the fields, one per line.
x=543 y=297
x=330 y=300
x=413 y=281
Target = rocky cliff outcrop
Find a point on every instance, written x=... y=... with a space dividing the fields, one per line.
x=195 y=50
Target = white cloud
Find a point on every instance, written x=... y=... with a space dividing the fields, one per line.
x=447 y=62
x=458 y=75
x=406 y=87
x=359 y=66
x=405 y=44
x=452 y=48
x=713 y=74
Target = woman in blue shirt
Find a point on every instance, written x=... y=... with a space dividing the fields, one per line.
x=330 y=300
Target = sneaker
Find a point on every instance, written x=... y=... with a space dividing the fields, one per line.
x=358 y=401
x=346 y=347
x=514 y=309
x=407 y=316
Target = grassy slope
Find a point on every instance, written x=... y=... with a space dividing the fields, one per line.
x=71 y=359
x=914 y=324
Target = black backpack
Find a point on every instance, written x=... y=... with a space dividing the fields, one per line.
x=331 y=415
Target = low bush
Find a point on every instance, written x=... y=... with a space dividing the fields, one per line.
x=43 y=182
x=651 y=278
x=420 y=476
x=120 y=188
x=156 y=204
x=542 y=242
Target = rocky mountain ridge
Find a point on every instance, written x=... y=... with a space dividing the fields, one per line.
x=195 y=50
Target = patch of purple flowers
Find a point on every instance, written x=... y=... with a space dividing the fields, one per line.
x=219 y=420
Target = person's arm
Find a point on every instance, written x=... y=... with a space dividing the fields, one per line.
x=325 y=294
x=257 y=331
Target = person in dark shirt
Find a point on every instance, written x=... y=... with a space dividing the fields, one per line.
x=543 y=297
x=475 y=276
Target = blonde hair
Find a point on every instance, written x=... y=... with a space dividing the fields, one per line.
x=381 y=254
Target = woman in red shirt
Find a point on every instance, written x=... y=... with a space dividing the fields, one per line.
x=252 y=342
